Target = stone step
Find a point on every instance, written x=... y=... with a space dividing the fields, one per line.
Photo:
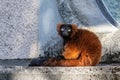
x=60 y=73
x=17 y=69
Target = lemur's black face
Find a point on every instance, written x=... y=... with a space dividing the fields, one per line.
x=66 y=30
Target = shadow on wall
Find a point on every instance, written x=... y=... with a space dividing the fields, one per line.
x=49 y=41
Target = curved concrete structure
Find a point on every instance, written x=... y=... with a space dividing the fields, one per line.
x=104 y=9
x=85 y=13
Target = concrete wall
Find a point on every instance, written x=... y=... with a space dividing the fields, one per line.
x=18 y=28
x=25 y=33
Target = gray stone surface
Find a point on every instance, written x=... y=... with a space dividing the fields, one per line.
x=18 y=28
x=60 y=73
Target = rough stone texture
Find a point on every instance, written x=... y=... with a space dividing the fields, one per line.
x=60 y=73
x=18 y=28
x=111 y=46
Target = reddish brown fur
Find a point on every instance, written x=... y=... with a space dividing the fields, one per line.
x=83 y=49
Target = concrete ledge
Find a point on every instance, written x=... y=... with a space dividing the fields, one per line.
x=60 y=73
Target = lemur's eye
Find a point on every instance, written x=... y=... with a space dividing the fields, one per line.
x=62 y=29
x=69 y=30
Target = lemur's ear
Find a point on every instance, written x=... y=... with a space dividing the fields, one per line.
x=74 y=26
x=59 y=26
x=74 y=29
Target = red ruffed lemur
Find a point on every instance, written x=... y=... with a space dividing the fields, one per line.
x=81 y=48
